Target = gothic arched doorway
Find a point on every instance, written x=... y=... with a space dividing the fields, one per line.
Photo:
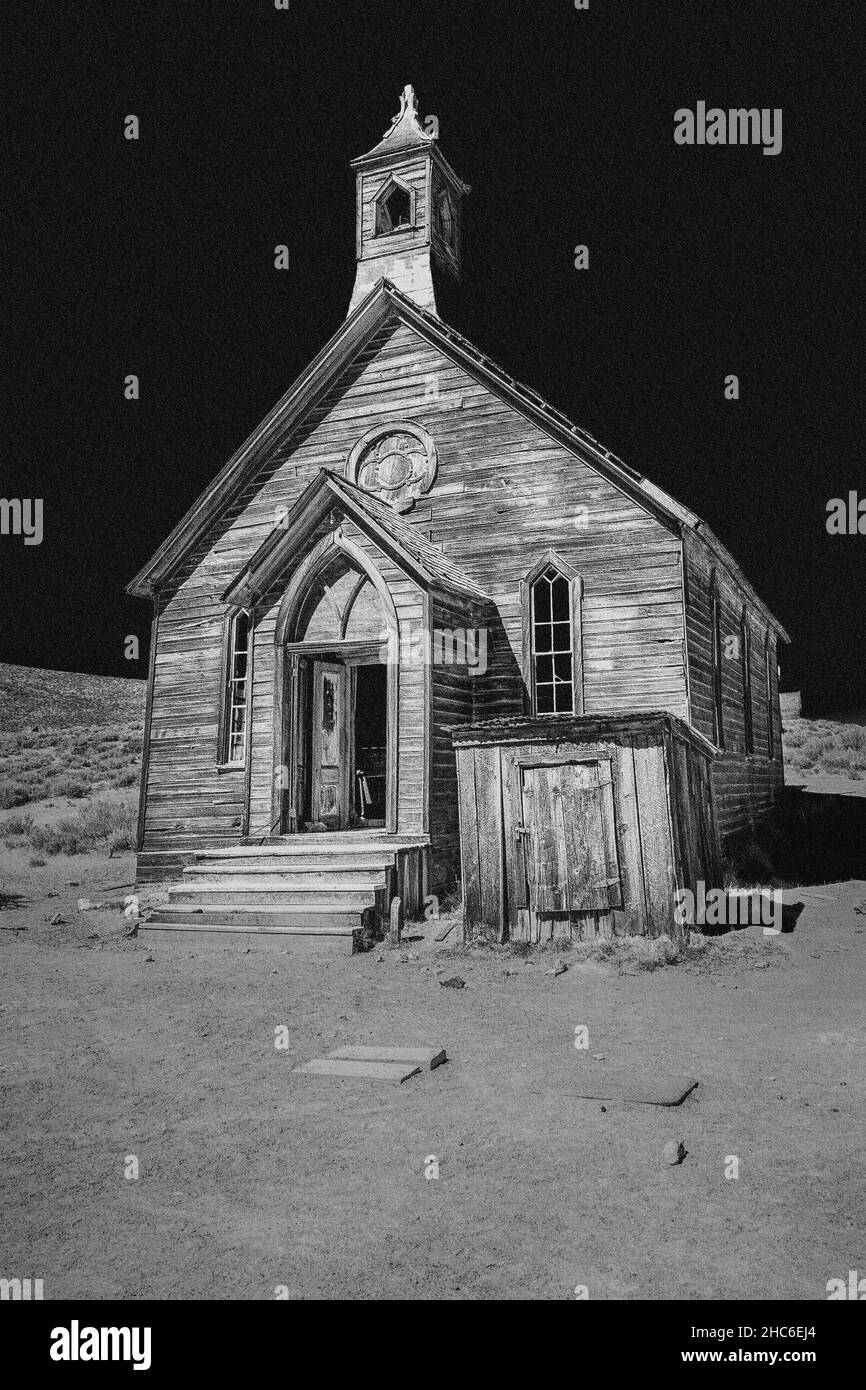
x=335 y=637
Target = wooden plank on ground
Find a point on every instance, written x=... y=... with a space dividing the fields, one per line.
x=393 y=1072
x=659 y=1090
x=394 y=1052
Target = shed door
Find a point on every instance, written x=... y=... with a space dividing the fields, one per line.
x=569 y=837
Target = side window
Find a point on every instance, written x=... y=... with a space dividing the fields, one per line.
x=768 y=677
x=718 y=707
x=234 y=715
x=746 y=656
x=551 y=602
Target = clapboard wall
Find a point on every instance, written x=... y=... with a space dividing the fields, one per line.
x=745 y=784
x=504 y=494
x=664 y=827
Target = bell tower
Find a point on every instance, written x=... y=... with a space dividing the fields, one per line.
x=409 y=212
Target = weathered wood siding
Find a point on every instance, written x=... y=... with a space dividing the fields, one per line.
x=666 y=835
x=409 y=602
x=745 y=785
x=505 y=492
x=454 y=697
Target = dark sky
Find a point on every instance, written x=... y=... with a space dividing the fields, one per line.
x=156 y=257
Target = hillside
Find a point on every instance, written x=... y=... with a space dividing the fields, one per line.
x=33 y=698
x=65 y=735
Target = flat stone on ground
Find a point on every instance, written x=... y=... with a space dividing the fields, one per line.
x=394 y=1072
x=417 y=1056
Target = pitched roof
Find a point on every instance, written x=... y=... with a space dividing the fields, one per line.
x=404 y=542
x=386 y=302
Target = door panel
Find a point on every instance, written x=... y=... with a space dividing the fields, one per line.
x=568 y=837
x=330 y=745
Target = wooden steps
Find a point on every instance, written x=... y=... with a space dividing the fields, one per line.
x=318 y=890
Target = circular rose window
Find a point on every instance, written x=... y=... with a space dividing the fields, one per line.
x=396 y=463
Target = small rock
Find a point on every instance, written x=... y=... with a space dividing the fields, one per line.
x=57 y=920
x=379 y=958
x=558 y=969
x=453 y=982
x=511 y=972
x=148 y=960
x=762 y=965
x=604 y=1110
x=73 y=883
x=93 y=936
x=599 y=1056
x=52 y=895
x=674 y=1151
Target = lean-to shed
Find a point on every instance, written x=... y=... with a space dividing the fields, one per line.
x=585 y=827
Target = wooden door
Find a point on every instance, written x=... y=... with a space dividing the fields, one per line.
x=568 y=835
x=330 y=763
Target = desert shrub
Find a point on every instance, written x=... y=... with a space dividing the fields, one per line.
x=92 y=827
x=653 y=954
x=69 y=786
x=64 y=837
x=121 y=840
x=36 y=861
x=17 y=825
x=822 y=746
x=125 y=779
x=15 y=794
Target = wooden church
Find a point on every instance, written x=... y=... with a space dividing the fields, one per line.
x=416 y=568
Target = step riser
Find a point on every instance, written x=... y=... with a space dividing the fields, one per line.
x=296 y=864
x=273 y=897
x=285 y=920
x=191 y=939
x=266 y=876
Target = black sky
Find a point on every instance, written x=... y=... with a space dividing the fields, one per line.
x=156 y=257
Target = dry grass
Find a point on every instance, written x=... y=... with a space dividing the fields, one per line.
x=101 y=825
x=824 y=746
x=43 y=764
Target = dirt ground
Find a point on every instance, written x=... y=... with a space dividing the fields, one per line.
x=252 y=1178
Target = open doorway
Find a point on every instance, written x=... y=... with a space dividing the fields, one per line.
x=370 y=745
x=340 y=770
x=339 y=703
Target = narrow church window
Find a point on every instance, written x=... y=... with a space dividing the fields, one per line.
x=746 y=657
x=237 y=667
x=552 y=644
x=394 y=211
x=718 y=708
x=768 y=676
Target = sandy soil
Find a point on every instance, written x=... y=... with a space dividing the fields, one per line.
x=251 y=1177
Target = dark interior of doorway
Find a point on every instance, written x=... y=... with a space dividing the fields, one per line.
x=371 y=745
